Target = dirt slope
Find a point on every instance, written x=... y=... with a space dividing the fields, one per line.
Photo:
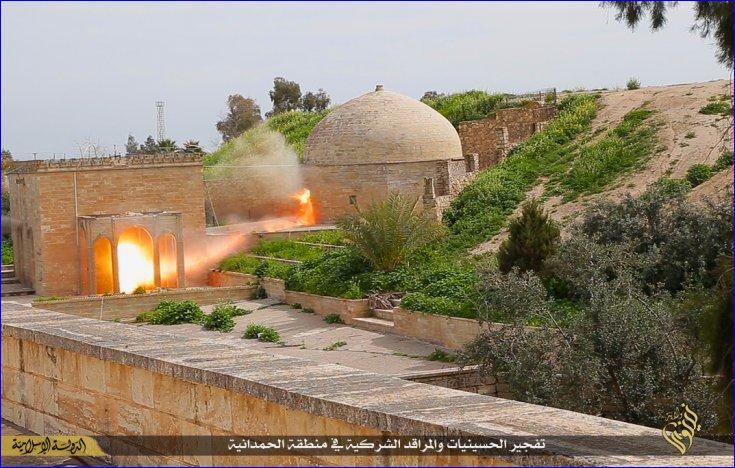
x=677 y=107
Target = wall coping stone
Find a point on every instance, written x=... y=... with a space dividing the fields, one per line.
x=107 y=162
x=166 y=293
x=334 y=391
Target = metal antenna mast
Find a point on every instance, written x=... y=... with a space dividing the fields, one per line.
x=160 y=124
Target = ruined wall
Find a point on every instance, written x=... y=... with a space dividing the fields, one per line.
x=493 y=137
x=60 y=191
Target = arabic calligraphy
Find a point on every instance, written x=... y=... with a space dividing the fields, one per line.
x=419 y=445
x=680 y=429
x=50 y=445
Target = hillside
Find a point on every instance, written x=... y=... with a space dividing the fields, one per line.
x=683 y=137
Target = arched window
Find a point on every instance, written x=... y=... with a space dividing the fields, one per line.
x=103 y=265
x=135 y=259
x=167 y=261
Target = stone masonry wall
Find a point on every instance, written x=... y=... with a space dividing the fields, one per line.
x=63 y=374
x=101 y=190
x=493 y=137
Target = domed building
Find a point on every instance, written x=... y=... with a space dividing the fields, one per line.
x=378 y=143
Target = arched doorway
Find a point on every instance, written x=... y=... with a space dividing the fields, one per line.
x=135 y=259
x=167 y=260
x=103 y=266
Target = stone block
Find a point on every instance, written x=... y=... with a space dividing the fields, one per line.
x=213 y=407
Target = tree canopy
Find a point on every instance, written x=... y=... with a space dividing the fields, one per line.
x=243 y=114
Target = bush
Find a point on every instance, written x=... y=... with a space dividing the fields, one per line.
x=633 y=83
x=219 y=319
x=241 y=263
x=296 y=126
x=287 y=249
x=330 y=275
x=387 y=232
x=441 y=356
x=8 y=255
x=723 y=108
x=333 y=318
x=672 y=188
x=437 y=305
x=139 y=290
x=723 y=162
x=328 y=237
x=533 y=237
x=482 y=207
x=262 y=333
x=468 y=105
x=698 y=174
x=173 y=313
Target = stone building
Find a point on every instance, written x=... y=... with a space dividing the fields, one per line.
x=377 y=143
x=103 y=225
x=493 y=137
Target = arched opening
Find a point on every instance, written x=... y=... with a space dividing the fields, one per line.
x=103 y=265
x=167 y=261
x=135 y=259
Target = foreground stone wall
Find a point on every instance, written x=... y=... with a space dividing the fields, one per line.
x=127 y=306
x=67 y=374
x=493 y=137
x=450 y=332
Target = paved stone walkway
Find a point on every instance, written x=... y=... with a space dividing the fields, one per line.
x=307 y=335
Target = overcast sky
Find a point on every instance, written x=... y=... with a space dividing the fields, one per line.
x=78 y=72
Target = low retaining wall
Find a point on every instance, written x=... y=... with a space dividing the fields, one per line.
x=63 y=374
x=126 y=306
x=325 y=305
x=467 y=379
x=450 y=332
x=274 y=287
x=218 y=279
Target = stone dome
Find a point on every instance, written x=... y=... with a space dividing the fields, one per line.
x=382 y=127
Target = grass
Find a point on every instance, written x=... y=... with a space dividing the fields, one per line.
x=329 y=237
x=261 y=333
x=333 y=318
x=467 y=105
x=441 y=355
x=287 y=249
x=718 y=105
x=690 y=135
x=308 y=310
x=296 y=126
x=335 y=345
x=600 y=163
x=244 y=263
x=482 y=208
x=8 y=254
x=49 y=298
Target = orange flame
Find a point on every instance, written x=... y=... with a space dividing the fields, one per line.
x=306 y=215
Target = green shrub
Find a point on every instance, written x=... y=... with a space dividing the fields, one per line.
x=723 y=162
x=296 y=126
x=335 y=345
x=8 y=256
x=287 y=249
x=672 y=188
x=698 y=174
x=690 y=135
x=437 y=305
x=261 y=333
x=329 y=237
x=333 y=318
x=622 y=149
x=296 y=305
x=308 y=310
x=219 y=319
x=467 y=105
x=533 y=237
x=330 y=275
x=241 y=263
x=173 y=313
x=441 y=355
x=723 y=108
x=139 y=290
x=482 y=207
x=387 y=232
x=633 y=83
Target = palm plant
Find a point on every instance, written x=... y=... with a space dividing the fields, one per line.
x=388 y=231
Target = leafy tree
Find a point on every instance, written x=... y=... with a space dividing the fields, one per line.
x=388 y=231
x=7 y=155
x=149 y=146
x=431 y=96
x=533 y=237
x=193 y=147
x=315 y=102
x=712 y=19
x=132 y=146
x=243 y=114
x=285 y=95
x=167 y=146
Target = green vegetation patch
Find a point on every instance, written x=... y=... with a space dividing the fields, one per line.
x=328 y=237
x=482 y=208
x=8 y=254
x=261 y=333
x=173 y=313
x=296 y=126
x=222 y=317
x=333 y=318
x=335 y=345
x=699 y=173
x=287 y=249
x=623 y=149
x=441 y=356
x=718 y=105
x=467 y=105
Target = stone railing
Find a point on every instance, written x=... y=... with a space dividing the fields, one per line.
x=106 y=162
x=64 y=374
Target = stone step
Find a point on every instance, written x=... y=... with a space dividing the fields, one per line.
x=385 y=314
x=16 y=289
x=373 y=324
x=10 y=280
x=8 y=271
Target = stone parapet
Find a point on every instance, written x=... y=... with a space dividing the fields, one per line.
x=108 y=162
x=69 y=374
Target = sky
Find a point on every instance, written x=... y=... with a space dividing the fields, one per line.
x=75 y=73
